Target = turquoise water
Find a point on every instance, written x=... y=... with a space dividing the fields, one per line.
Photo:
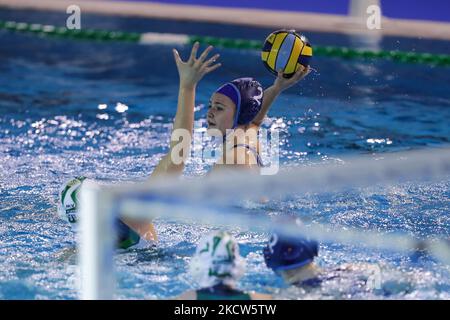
x=52 y=127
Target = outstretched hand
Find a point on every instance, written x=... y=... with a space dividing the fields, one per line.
x=282 y=83
x=194 y=69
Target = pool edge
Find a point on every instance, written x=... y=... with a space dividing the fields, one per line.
x=245 y=17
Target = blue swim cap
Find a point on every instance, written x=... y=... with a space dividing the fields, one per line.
x=284 y=253
x=247 y=95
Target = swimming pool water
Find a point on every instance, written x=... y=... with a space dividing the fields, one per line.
x=52 y=127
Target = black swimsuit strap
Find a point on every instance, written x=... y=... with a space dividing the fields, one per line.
x=255 y=153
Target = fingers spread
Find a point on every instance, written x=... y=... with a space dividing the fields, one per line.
x=280 y=73
x=298 y=75
x=211 y=60
x=193 y=53
x=212 y=68
x=176 y=56
x=301 y=72
x=308 y=71
x=205 y=54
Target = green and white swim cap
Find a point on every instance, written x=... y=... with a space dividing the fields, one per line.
x=217 y=260
x=68 y=200
x=68 y=207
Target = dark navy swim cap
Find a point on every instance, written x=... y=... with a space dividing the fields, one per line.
x=284 y=253
x=247 y=95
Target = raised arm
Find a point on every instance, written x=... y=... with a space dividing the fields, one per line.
x=272 y=92
x=190 y=73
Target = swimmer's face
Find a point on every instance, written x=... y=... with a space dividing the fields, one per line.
x=221 y=113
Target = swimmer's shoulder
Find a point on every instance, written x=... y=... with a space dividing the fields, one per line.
x=253 y=126
x=260 y=296
x=188 y=295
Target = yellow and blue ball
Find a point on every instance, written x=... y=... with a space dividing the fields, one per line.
x=286 y=50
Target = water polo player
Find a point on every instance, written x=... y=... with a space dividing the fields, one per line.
x=293 y=258
x=217 y=266
x=236 y=108
x=129 y=233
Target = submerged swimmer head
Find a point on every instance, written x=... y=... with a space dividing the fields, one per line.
x=235 y=103
x=290 y=256
x=217 y=260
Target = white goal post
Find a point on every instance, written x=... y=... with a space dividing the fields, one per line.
x=180 y=198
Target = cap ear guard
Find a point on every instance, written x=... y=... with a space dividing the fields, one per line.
x=252 y=94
